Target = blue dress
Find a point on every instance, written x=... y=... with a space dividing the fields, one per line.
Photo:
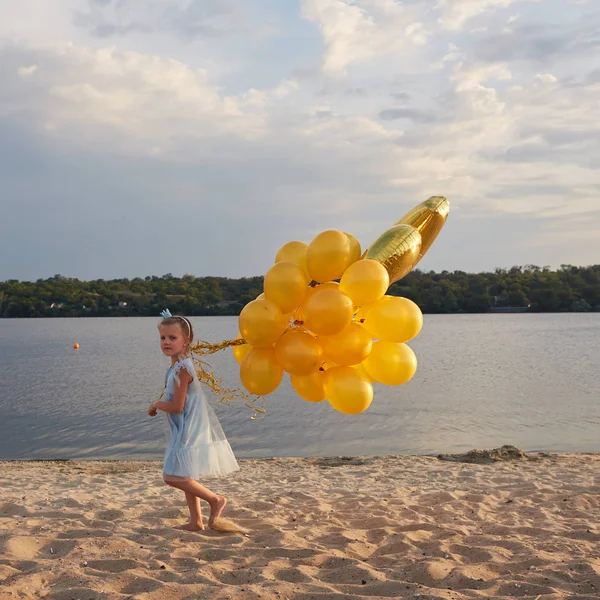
x=196 y=444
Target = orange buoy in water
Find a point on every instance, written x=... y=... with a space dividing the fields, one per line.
x=76 y=346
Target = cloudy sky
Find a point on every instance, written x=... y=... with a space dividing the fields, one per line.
x=197 y=136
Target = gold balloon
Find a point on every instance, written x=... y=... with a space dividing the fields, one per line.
x=294 y=252
x=349 y=347
x=260 y=372
x=391 y=363
x=328 y=364
x=298 y=352
x=396 y=249
x=261 y=322
x=328 y=255
x=427 y=218
x=286 y=285
x=347 y=391
x=393 y=319
x=355 y=250
x=363 y=372
x=361 y=313
x=329 y=285
x=309 y=387
x=240 y=352
x=327 y=312
x=365 y=281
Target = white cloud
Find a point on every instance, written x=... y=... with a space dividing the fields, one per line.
x=139 y=94
x=27 y=71
x=506 y=130
x=455 y=14
x=356 y=32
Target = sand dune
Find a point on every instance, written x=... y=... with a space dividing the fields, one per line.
x=320 y=529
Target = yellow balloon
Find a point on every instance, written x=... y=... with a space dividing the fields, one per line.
x=427 y=218
x=363 y=372
x=397 y=249
x=286 y=284
x=310 y=387
x=328 y=364
x=261 y=322
x=293 y=252
x=355 y=250
x=328 y=255
x=329 y=285
x=260 y=372
x=240 y=352
x=298 y=352
x=327 y=312
x=360 y=315
x=349 y=347
x=365 y=281
x=347 y=391
x=394 y=319
x=391 y=363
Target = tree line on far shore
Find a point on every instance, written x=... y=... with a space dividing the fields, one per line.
x=518 y=289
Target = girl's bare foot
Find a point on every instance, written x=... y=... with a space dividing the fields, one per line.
x=191 y=527
x=216 y=508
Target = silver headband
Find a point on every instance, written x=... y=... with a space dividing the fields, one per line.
x=166 y=314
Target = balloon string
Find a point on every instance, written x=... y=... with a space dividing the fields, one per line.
x=203 y=348
x=225 y=394
x=215 y=384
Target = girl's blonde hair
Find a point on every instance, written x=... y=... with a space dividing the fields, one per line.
x=186 y=326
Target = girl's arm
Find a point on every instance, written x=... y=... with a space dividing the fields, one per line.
x=176 y=405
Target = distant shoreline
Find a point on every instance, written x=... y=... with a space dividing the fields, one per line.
x=491 y=312
x=518 y=289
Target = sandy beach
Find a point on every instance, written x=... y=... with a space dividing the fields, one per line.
x=319 y=529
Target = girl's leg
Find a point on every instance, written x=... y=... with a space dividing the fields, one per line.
x=189 y=486
x=196 y=523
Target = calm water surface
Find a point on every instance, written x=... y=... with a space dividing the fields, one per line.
x=483 y=381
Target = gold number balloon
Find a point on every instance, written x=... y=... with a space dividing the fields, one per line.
x=328 y=255
x=261 y=322
x=286 y=284
x=347 y=391
x=298 y=352
x=427 y=218
x=393 y=319
x=391 y=363
x=396 y=249
x=310 y=387
x=365 y=281
x=260 y=372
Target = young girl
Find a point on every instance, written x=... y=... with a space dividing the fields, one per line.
x=196 y=444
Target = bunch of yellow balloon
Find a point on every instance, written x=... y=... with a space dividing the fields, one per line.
x=325 y=318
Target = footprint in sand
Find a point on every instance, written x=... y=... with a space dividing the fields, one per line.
x=141 y=585
x=117 y=565
x=109 y=515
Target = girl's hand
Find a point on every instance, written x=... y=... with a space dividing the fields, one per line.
x=152 y=410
